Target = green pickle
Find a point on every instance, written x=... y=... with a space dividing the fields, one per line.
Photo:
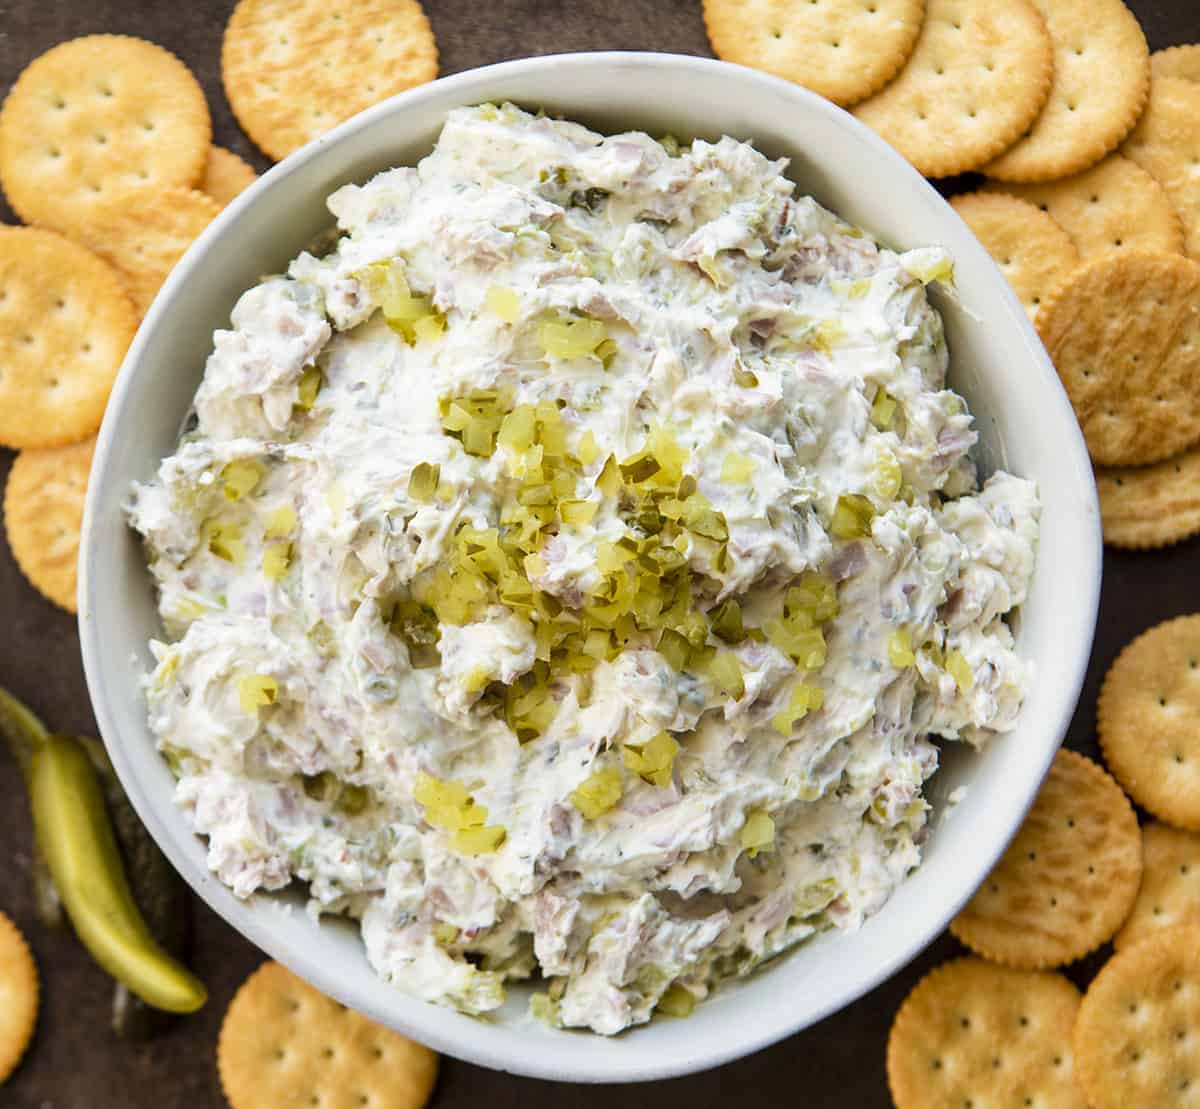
x=77 y=839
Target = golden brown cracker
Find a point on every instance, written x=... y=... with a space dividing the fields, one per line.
x=1115 y=205
x=1150 y=506
x=975 y=1034
x=1032 y=251
x=144 y=231
x=1170 y=892
x=225 y=175
x=1068 y=879
x=284 y=1043
x=43 y=517
x=1101 y=81
x=1177 y=61
x=65 y=324
x=96 y=115
x=1166 y=144
x=18 y=997
x=1124 y=334
x=1148 y=720
x=295 y=68
x=1137 y=1036
x=843 y=49
x=977 y=78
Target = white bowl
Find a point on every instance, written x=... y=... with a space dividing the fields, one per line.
x=998 y=364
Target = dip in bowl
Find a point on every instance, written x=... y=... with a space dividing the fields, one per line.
x=996 y=364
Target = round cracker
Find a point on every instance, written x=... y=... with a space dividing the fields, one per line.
x=1170 y=892
x=1115 y=205
x=843 y=49
x=977 y=78
x=284 y=1043
x=65 y=324
x=975 y=1034
x=225 y=175
x=1177 y=61
x=1166 y=144
x=95 y=115
x=1124 y=334
x=1068 y=879
x=18 y=996
x=1101 y=81
x=1150 y=506
x=144 y=231
x=1148 y=720
x=295 y=68
x=1136 y=1041
x=1032 y=251
x=43 y=516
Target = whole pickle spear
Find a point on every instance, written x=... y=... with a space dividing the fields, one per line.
x=24 y=733
x=77 y=840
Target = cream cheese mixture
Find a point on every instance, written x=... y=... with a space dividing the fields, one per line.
x=569 y=574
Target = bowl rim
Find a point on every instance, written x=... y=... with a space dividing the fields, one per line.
x=480 y=1048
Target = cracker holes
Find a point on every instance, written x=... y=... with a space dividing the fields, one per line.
x=86 y=348
x=937 y=1064
x=105 y=91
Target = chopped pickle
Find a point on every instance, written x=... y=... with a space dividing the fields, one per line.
x=653 y=761
x=544 y=1008
x=803 y=699
x=577 y=513
x=277 y=557
x=758 y=833
x=606 y=352
x=224 y=539
x=676 y=1002
x=598 y=793
x=899 y=649
x=428 y=328
x=503 y=302
x=570 y=338
x=886 y=475
x=726 y=621
x=883 y=410
x=960 y=670
x=281 y=522
x=737 y=469
x=240 y=478
x=308 y=388
x=609 y=481
x=444 y=933
x=586 y=450
x=424 y=480
x=255 y=691
x=726 y=674
x=478 y=841
x=852 y=517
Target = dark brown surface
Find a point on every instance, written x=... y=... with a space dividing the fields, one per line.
x=75 y=1061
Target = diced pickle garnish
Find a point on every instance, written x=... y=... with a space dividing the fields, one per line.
x=653 y=761
x=478 y=841
x=598 y=793
x=224 y=539
x=886 y=475
x=444 y=933
x=277 y=557
x=960 y=670
x=758 y=833
x=803 y=699
x=737 y=469
x=503 y=302
x=676 y=1002
x=423 y=481
x=281 y=523
x=852 y=516
x=308 y=388
x=899 y=648
x=883 y=410
x=240 y=478
x=569 y=338
x=256 y=691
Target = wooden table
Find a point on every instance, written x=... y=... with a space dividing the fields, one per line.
x=75 y=1061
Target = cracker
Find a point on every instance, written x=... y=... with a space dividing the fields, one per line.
x=18 y=996
x=144 y=231
x=95 y=115
x=1032 y=251
x=1148 y=720
x=1151 y=506
x=1170 y=892
x=294 y=68
x=1177 y=61
x=283 y=1043
x=1124 y=335
x=843 y=49
x=225 y=175
x=65 y=323
x=1101 y=81
x=1068 y=879
x=1115 y=205
x=1166 y=144
x=977 y=78
x=43 y=516
x=975 y=1034
x=1136 y=1041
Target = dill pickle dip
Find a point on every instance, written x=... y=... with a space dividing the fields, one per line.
x=571 y=574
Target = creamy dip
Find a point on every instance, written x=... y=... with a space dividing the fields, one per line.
x=569 y=574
